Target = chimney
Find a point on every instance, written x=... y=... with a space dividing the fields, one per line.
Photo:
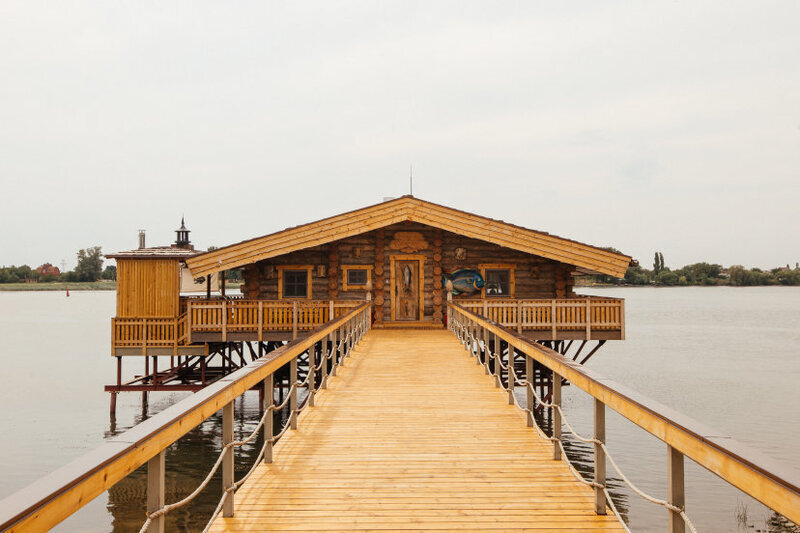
x=141 y=239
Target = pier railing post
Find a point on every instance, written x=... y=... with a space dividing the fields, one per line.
x=351 y=331
x=556 y=400
x=496 y=357
x=323 y=379
x=511 y=376
x=269 y=401
x=293 y=394
x=155 y=491
x=312 y=385
x=485 y=350
x=529 y=389
x=335 y=350
x=675 y=493
x=227 y=461
x=599 y=457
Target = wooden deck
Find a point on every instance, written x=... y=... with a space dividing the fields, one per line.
x=412 y=435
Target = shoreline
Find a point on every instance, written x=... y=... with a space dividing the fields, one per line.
x=105 y=285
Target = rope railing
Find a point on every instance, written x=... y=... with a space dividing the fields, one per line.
x=340 y=350
x=465 y=334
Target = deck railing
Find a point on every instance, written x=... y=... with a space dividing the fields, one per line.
x=144 y=333
x=559 y=314
x=774 y=485
x=257 y=316
x=225 y=316
x=48 y=501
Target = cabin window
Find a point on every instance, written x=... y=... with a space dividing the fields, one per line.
x=356 y=277
x=294 y=281
x=498 y=281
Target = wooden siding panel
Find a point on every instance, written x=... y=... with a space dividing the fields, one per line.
x=148 y=287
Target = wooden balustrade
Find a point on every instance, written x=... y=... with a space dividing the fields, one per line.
x=555 y=315
x=774 y=485
x=48 y=501
x=224 y=317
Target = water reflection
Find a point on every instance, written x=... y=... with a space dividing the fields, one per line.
x=581 y=455
x=188 y=461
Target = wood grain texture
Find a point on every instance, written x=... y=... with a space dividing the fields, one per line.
x=775 y=485
x=148 y=288
x=386 y=448
x=49 y=500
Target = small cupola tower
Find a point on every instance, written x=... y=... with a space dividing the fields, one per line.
x=183 y=236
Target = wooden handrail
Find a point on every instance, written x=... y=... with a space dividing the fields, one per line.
x=775 y=485
x=51 y=499
x=586 y=313
x=223 y=316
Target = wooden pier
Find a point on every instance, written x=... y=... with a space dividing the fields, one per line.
x=402 y=355
x=402 y=430
x=388 y=446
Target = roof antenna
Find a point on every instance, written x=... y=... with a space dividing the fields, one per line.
x=410 y=180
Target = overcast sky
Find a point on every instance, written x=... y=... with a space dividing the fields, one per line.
x=670 y=126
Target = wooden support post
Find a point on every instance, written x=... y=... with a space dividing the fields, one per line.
x=222 y=284
x=227 y=461
x=189 y=323
x=351 y=331
x=553 y=319
x=529 y=389
x=294 y=320
x=260 y=322
x=486 y=351
x=675 y=493
x=335 y=351
x=556 y=400
x=511 y=375
x=599 y=457
x=519 y=317
x=497 y=358
x=312 y=386
x=330 y=309
x=323 y=380
x=224 y=307
x=293 y=388
x=155 y=491
x=588 y=319
x=269 y=400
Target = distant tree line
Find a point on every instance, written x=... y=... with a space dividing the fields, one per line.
x=702 y=274
x=89 y=268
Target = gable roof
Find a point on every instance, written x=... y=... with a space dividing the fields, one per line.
x=588 y=258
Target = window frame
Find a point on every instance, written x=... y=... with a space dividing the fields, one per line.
x=510 y=267
x=309 y=281
x=349 y=287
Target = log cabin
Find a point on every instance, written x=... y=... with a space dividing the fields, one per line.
x=407 y=256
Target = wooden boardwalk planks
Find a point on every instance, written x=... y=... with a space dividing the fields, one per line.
x=413 y=436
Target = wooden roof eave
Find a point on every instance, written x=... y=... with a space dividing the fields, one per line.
x=525 y=240
x=410 y=209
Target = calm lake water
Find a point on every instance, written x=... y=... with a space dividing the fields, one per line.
x=729 y=357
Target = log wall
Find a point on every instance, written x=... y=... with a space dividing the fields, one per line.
x=535 y=277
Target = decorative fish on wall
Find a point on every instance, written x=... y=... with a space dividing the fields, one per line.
x=463 y=281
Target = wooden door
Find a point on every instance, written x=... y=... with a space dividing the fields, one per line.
x=406 y=290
